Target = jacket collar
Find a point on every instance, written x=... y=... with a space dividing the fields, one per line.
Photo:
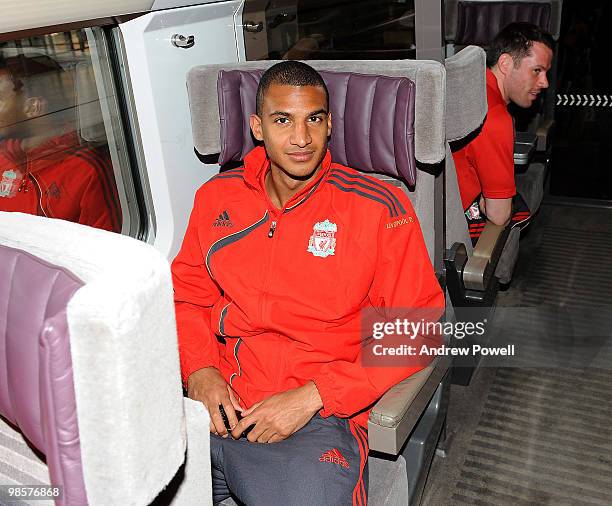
x=257 y=165
x=493 y=92
x=48 y=153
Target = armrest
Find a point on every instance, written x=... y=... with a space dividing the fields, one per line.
x=395 y=415
x=480 y=266
x=524 y=147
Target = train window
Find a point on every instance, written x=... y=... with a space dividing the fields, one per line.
x=62 y=148
x=329 y=30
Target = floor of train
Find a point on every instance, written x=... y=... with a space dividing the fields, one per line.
x=541 y=435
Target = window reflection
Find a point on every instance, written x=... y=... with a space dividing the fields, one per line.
x=54 y=157
x=323 y=29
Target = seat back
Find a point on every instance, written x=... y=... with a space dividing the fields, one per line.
x=36 y=390
x=89 y=369
x=466 y=108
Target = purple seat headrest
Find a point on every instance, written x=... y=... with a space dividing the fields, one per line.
x=372 y=120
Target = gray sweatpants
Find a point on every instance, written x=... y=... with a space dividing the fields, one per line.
x=325 y=462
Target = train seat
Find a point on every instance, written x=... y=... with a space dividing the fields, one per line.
x=405 y=424
x=90 y=391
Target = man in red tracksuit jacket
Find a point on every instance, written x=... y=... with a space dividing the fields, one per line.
x=518 y=59
x=279 y=261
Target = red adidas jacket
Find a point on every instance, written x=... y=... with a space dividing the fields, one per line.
x=284 y=289
x=60 y=179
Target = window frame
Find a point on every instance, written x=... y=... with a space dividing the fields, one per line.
x=100 y=54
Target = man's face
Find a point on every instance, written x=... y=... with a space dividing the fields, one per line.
x=11 y=106
x=294 y=127
x=524 y=82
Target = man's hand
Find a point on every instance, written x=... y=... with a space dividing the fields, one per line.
x=499 y=211
x=208 y=386
x=279 y=416
x=482 y=204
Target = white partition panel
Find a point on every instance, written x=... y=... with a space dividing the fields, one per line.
x=157 y=71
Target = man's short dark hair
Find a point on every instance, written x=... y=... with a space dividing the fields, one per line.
x=22 y=69
x=289 y=73
x=516 y=39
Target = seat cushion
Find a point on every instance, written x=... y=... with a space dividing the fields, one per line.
x=388 y=482
x=21 y=465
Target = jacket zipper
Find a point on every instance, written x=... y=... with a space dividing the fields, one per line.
x=39 y=192
x=239 y=373
x=272 y=230
x=269 y=267
x=274 y=224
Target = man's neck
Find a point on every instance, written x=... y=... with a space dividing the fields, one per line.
x=280 y=187
x=31 y=141
x=499 y=77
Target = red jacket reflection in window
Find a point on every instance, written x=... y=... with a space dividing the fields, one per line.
x=44 y=169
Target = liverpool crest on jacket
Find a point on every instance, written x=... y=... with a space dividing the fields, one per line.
x=9 y=182
x=322 y=242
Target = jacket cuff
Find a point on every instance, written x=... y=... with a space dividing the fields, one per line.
x=187 y=371
x=507 y=193
x=325 y=385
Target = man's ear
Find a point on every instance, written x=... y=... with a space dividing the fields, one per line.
x=255 y=122
x=34 y=107
x=329 y=124
x=505 y=63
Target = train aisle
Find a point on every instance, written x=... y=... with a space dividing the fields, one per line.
x=542 y=435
